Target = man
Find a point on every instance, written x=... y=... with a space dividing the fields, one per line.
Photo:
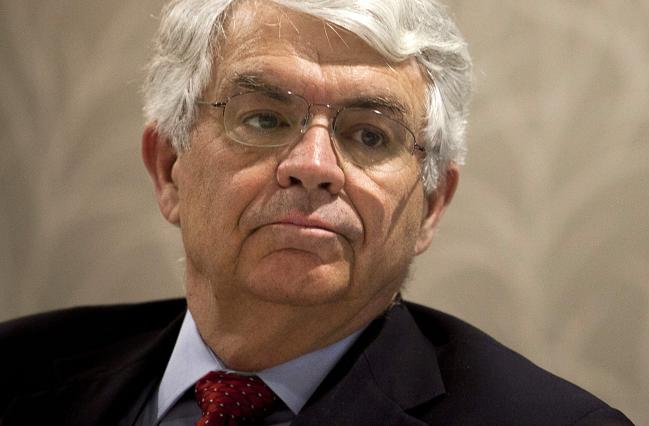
x=306 y=150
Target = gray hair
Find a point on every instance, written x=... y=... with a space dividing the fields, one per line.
x=398 y=29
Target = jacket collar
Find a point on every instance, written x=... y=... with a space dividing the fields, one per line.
x=391 y=369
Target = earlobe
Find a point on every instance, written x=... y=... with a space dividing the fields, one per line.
x=438 y=200
x=160 y=158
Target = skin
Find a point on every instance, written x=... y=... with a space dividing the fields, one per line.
x=291 y=249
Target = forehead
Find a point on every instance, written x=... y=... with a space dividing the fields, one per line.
x=307 y=55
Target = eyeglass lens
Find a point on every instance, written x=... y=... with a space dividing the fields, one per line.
x=369 y=138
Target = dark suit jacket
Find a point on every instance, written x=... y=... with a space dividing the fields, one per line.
x=411 y=366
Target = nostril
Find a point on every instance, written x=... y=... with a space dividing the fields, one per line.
x=312 y=163
x=296 y=181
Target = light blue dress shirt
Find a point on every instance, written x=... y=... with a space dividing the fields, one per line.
x=293 y=382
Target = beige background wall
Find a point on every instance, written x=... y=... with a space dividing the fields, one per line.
x=546 y=246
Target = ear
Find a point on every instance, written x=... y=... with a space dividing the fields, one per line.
x=159 y=158
x=437 y=202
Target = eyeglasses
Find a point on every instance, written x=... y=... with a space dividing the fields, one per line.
x=369 y=138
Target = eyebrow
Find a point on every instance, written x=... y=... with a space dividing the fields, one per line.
x=388 y=103
x=256 y=82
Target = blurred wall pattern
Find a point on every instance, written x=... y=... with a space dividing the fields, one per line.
x=546 y=246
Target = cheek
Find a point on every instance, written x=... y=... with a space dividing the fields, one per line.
x=221 y=176
x=390 y=209
x=393 y=225
x=216 y=186
x=391 y=213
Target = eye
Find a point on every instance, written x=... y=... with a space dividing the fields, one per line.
x=265 y=121
x=368 y=137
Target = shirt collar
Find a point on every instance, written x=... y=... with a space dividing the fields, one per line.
x=293 y=382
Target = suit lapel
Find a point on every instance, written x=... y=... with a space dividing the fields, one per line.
x=391 y=369
x=99 y=387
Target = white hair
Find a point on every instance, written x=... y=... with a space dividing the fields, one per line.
x=398 y=29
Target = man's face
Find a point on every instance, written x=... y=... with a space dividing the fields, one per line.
x=299 y=225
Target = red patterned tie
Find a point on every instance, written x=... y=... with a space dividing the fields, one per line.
x=232 y=399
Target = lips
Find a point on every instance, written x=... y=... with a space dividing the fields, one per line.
x=339 y=224
x=297 y=219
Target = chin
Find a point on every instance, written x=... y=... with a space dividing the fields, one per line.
x=297 y=286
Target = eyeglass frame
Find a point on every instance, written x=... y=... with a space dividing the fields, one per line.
x=223 y=104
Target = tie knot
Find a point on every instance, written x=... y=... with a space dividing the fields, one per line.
x=233 y=399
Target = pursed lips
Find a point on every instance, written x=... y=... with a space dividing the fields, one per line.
x=312 y=221
x=305 y=222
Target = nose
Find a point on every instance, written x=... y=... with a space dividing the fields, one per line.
x=312 y=162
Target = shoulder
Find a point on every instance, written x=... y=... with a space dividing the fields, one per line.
x=57 y=332
x=491 y=379
x=33 y=345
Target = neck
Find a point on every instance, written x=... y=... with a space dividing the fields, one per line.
x=249 y=334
